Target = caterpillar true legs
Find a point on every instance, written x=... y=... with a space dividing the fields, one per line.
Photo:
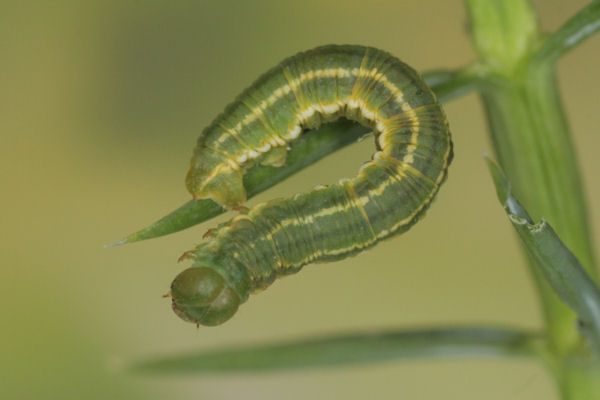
x=389 y=194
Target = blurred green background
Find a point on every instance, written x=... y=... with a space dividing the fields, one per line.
x=100 y=106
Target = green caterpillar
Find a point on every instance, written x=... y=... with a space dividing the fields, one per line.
x=279 y=237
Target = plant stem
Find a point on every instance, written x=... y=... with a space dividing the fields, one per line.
x=532 y=142
x=580 y=379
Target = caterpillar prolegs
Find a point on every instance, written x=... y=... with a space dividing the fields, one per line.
x=279 y=237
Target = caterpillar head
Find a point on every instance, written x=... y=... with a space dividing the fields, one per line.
x=201 y=295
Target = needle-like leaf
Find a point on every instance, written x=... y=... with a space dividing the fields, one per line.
x=352 y=350
x=581 y=26
x=558 y=265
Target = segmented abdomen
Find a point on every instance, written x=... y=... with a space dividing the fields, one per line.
x=413 y=150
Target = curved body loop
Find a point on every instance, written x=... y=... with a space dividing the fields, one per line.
x=391 y=191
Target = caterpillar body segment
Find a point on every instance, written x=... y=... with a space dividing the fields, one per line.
x=279 y=237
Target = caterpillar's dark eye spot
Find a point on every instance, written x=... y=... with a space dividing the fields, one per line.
x=200 y=295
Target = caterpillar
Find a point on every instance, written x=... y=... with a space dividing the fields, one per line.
x=278 y=237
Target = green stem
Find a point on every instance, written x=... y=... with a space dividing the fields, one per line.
x=533 y=144
x=579 y=380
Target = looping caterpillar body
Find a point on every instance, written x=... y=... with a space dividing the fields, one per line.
x=279 y=237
